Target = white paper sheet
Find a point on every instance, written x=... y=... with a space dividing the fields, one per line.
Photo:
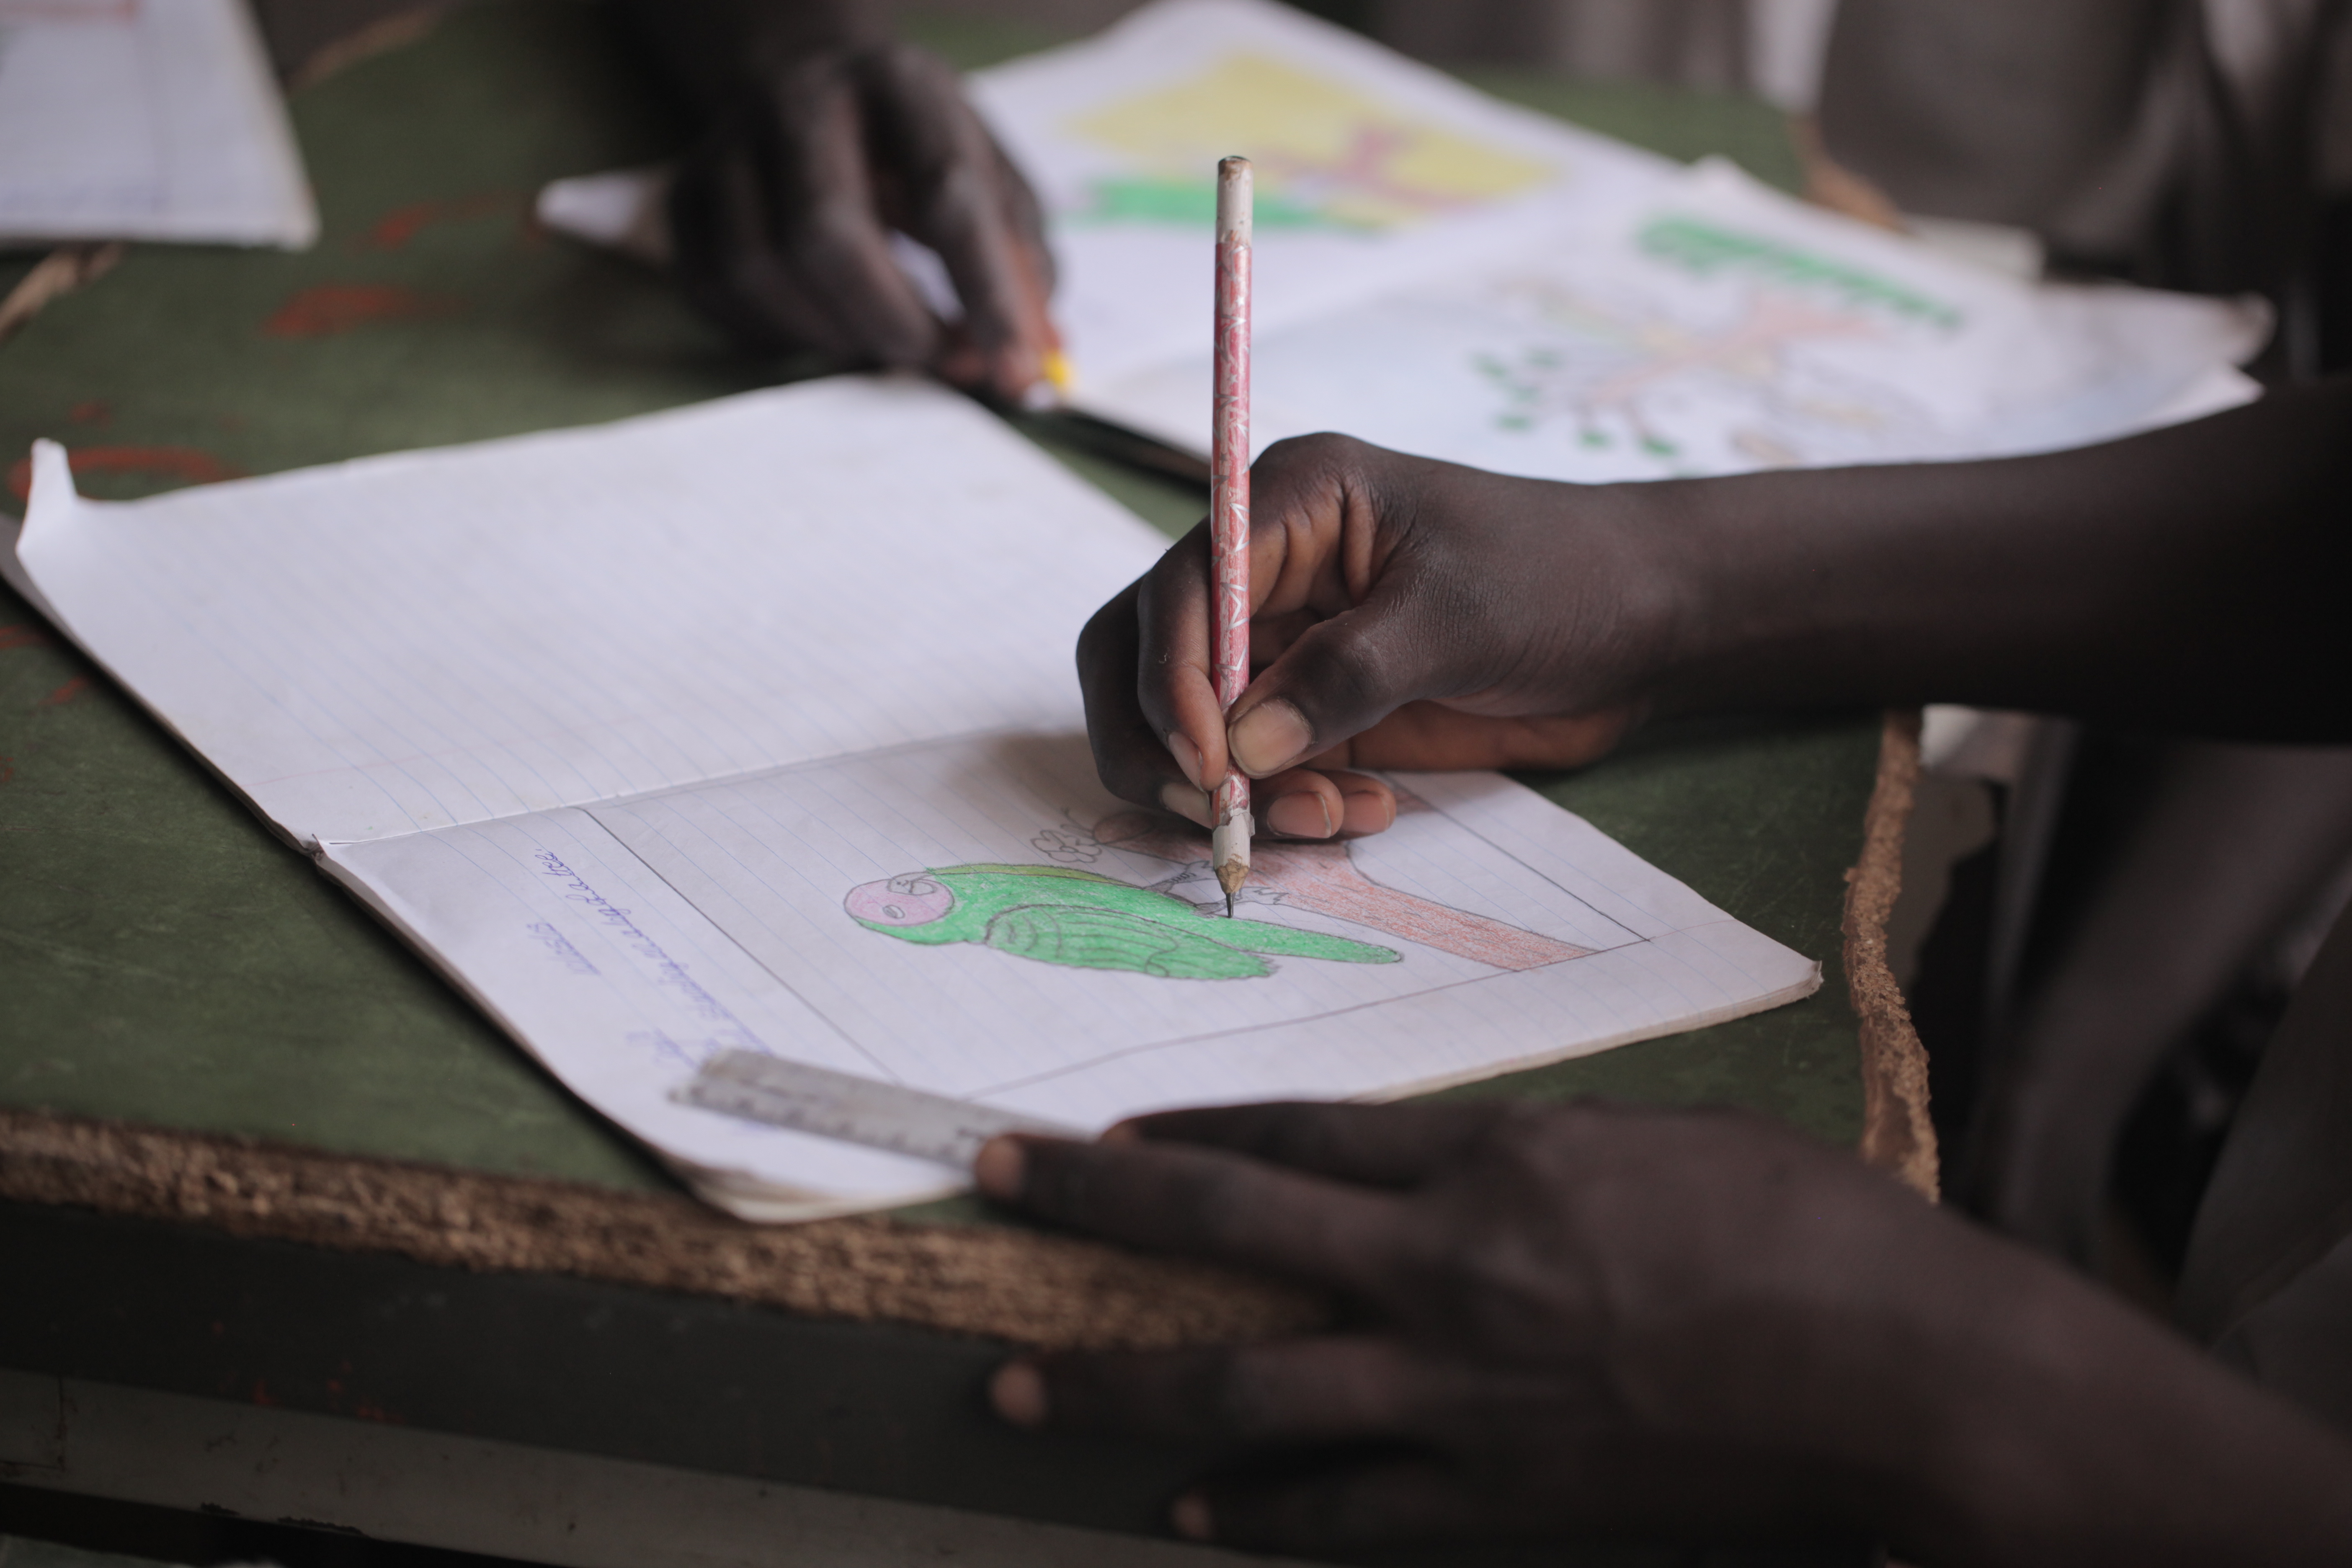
x=754 y=725
x=409 y=641
x=1576 y=310
x=144 y=120
x=1370 y=170
x=1714 y=326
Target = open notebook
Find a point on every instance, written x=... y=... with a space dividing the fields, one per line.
x=753 y=725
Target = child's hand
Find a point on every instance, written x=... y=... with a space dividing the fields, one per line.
x=1563 y=1321
x=1408 y=614
x=813 y=155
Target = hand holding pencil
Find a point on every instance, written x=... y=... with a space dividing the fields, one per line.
x=1411 y=614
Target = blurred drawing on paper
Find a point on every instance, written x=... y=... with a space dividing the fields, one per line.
x=1067 y=915
x=1329 y=155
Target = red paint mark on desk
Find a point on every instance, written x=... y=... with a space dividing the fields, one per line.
x=261 y=1394
x=22 y=636
x=189 y=464
x=7 y=769
x=94 y=411
x=331 y=308
x=66 y=693
x=395 y=228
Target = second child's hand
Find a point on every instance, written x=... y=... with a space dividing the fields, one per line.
x=820 y=134
x=1598 y=1320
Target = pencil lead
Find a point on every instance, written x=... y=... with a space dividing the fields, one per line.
x=1230 y=876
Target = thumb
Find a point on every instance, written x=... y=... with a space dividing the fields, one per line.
x=1337 y=678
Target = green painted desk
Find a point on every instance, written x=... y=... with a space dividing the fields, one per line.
x=167 y=965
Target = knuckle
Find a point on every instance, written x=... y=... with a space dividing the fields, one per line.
x=1213 y=1195
x=1320 y=447
x=1321 y=457
x=1354 y=670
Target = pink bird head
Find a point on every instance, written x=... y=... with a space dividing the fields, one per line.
x=914 y=900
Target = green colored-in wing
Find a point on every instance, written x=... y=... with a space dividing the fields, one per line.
x=1088 y=938
x=1262 y=936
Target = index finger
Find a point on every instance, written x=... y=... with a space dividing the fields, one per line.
x=1207 y=1203
x=1381 y=1145
x=1299 y=557
x=1134 y=762
x=1175 y=685
x=828 y=219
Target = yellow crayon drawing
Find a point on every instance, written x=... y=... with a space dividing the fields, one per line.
x=1328 y=155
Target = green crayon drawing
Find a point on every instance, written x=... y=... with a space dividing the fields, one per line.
x=1707 y=249
x=1191 y=202
x=1058 y=914
x=1646 y=383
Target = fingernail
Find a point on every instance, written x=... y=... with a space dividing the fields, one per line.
x=1186 y=802
x=1367 y=811
x=1018 y=1393
x=1190 y=1516
x=1188 y=757
x=999 y=1168
x=1301 y=815
x=1270 y=737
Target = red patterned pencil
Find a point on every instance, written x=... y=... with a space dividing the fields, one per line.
x=1229 y=525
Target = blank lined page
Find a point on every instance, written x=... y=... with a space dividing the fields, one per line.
x=409 y=642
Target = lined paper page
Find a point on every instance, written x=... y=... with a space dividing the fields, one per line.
x=409 y=642
x=602 y=970
x=157 y=120
x=977 y=918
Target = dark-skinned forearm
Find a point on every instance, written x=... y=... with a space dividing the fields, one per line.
x=2191 y=579
x=2042 y=1421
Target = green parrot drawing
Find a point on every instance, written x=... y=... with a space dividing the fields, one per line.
x=1055 y=914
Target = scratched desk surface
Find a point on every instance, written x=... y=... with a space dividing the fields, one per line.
x=165 y=961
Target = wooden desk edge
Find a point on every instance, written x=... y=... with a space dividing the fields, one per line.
x=1896 y=1135
x=1022 y=1287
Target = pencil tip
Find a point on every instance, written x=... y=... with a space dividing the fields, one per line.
x=1229 y=906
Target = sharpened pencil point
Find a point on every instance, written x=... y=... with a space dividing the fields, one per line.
x=1230 y=876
